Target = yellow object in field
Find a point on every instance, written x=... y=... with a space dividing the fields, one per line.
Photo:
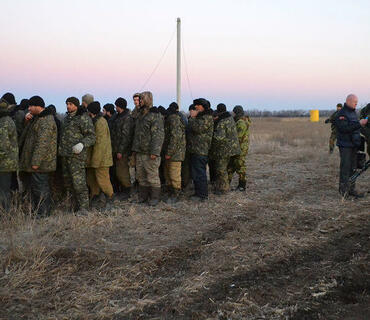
x=314 y=115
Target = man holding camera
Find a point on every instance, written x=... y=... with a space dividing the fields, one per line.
x=348 y=140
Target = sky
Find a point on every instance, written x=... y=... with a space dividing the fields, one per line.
x=262 y=54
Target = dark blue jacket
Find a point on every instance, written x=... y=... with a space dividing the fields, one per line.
x=348 y=128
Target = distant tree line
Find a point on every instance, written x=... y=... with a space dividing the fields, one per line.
x=285 y=113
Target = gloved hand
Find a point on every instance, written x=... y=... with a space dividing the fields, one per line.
x=327 y=120
x=77 y=148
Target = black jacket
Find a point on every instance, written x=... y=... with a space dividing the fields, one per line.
x=348 y=128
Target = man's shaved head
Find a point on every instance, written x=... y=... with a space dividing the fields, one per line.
x=352 y=101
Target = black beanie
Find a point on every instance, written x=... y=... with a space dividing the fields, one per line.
x=221 y=108
x=74 y=101
x=94 y=107
x=36 y=101
x=121 y=103
x=203 y=102
x=9 y=98
x=24 y=104
x=238 y=110
x=192 y=107
x=109 y=107
x=173 y=107
x=52 y=109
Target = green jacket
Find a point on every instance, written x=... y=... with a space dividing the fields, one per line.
x=122 y=133
x=100 y=154
x=332 y=121
x=225 y=141
x=76 y=128
x=242 y=127
x=9 y=143
x=365 y=112
x=149 y=132
x=38 y=145
x=200 y=132
x=174 y=144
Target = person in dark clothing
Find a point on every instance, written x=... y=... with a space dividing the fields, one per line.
x=109 y=114
x=348 y=140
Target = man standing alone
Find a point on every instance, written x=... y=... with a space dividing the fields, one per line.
x=348 y=141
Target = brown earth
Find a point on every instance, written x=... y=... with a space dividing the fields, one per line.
x=288 y=248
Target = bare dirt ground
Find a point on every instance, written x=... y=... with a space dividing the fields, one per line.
x=288 y=248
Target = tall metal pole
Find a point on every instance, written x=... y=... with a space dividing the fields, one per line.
x=178 y=75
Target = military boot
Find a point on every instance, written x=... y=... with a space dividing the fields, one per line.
x=155 y=194
x=109 y=203
x=353 y=192
x=100 y=201
x=174 y=196
x=143 y=194
x=242 y=185
x=125 y=194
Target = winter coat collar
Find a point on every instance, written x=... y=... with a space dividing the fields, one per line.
x=222 y=116
x=205 y=112
x=46 y=112
x=97 y=117
x=5 y=113
x=348 y=109
x=122 y=114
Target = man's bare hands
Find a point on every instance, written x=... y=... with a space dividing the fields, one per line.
x=363 y=122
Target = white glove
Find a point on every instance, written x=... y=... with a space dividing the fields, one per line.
x=77 y=148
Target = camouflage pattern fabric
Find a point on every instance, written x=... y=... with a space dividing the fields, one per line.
x=225 y=143
x=74 y=175
x=122 y=133
x=76 y=128
x=237 y=164
x=333 y=135
x=222 y=177
x=200 y=132
x=149 y=132
x=9 y=144
x=39 y=144
x=174 y=144
x=242 y=127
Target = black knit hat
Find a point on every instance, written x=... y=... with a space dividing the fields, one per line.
x=9 y=98
x=94 y=107
x=173 y=107
x=221 y=108
x=121 y=103
x=192 y=107
x=52 y=109
x=109 y=107
x=74 y=101
x=162 y=110
x=238 y=110
x=24 y=104
x=339 y=105
x=36 y=101
x=203 y=102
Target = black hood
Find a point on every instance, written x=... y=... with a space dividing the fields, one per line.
x=222 y=116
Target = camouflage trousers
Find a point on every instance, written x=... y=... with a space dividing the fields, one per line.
x=221 y=174
x=332 y=139
x=237 y=164
x=74 y=176
x=147 y=170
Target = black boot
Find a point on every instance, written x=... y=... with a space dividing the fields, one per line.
x=125 y=194
x=174 y=196
x=353 y=193
x=143 y=194
x=155 y=193
x=242 y=185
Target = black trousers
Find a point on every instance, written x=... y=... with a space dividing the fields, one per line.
x=199 y=175
x=348 y=164
x=38 y=185
x=5 y=187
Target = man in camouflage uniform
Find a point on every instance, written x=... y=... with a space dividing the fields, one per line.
x=77 y=134
x=200 y=127
x=365 y=131
x=174 y=151
x=86 y=100
x=8 y=154
x=147 y=145
x=238 y=163
x=38 y=154
x=225 y=144
x=122 y=135
x=135 y=112
x=333 y=135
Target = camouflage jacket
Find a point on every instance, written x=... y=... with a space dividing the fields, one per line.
x=225 y=141
x=365 y=112
x=100 y=154
x=149 y=132
x=174 y=144
x=200 y=132
x=9 y=144
x=332 y=121
x=38 y=145
x=76 y=128
x=122 y=133
x=242 y=127
x=18 y=115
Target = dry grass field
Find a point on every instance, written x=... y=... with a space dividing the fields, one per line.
x=288 y=248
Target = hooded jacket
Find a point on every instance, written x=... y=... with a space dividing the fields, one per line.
x=39 y=144
x=100 y=154
x=9 y=143
x=174 y=136
x=225 y=141
x=122 y=130
x=149 y=128
x=76 y=128
x=242 y=124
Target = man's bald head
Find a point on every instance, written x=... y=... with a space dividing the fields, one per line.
x=352 y=101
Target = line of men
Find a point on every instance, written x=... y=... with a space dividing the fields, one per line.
x=91 y=151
